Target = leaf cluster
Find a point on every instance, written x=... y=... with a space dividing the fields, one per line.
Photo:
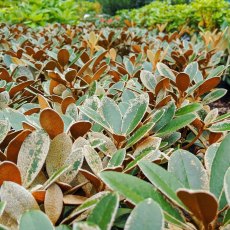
x=101 y=126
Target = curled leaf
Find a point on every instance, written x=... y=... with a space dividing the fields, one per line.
x=203 y=205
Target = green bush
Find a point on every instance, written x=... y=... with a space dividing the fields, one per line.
x=111 y=6
x=200 y=13
x=40 y=12
x=211 y=13
x=160 y=13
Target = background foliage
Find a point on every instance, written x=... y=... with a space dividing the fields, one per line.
x=40 y=12
x=199 y=13
x=111 y=6
x=206 y=14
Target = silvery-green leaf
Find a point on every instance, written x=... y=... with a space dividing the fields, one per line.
x=4 y=129
x=111 y=114
x=32 y=156
x=148 y=80
x=105 y=211
x=188 y=170
x=134 y=113
x=191 y=69
x=220 y=165
x=165 y=71
x=142 y=216
x=17 y=199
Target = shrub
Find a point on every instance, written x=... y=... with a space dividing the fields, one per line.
x=111 y=6
x=162 y=13
x=101 y=126
x=199 y=13
x=211 y=14
x=40 y=12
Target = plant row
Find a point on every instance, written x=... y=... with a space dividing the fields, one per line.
x=111 y=129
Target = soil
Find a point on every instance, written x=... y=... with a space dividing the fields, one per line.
x=223 y=104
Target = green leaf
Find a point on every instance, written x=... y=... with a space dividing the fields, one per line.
x=54 y=177
x=117 y=158
x=172 y=138
x=165 y=71
x=134 y=113
x=77 y=56
x=216 y=72
x=123 y=106
x=111 y=114
x=149 y=146
x=165 y=181
x=127 y=95
x=146 y=215
x=2 y=207
x=220 y=127
x=92 y=114
x=222 y=117
x=88 y=204
x=222 y=201
x=105 y=144
x=3 y=227
x=166 y=117
x=35 y=220
x=176 y=124
x=211 y=116
x=226 y=220
x=105 y=211
x=157 y=115
x=128 y=65
x=143 y=154
x=63 y=227
x=148 y=80
x=227 y=185
x=188 y=170
x=85 y=226
x=220 y=165
x=209 y=156
x=192 y=89
x=32 y=156
x=190 y=108
x=139 y=134
x=121 y=217
x=214 y=95
x=15 y=118
x=136 y=190
x=192 y=69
